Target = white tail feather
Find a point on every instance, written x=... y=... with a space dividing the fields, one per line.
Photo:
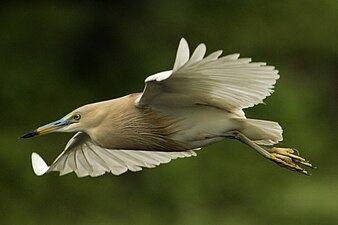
x=262 y=132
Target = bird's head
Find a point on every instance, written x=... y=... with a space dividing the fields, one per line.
x=79 y=119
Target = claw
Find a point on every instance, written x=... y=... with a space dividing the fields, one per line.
x=289 y=158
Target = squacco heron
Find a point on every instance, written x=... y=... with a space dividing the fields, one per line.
x=197 y=103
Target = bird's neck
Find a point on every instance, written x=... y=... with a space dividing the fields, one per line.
x=126 y=126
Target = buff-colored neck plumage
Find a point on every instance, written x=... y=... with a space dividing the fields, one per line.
x=119 y=124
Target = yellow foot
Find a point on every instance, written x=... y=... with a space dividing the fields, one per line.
x=289 y=158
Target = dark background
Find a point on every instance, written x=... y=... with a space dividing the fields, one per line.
x=55 y=57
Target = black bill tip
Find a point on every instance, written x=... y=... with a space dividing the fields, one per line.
x=30 y=134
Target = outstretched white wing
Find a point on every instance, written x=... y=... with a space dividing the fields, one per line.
x=85 y=158
x=228 y=82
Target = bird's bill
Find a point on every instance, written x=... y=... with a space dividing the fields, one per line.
x=46 y=129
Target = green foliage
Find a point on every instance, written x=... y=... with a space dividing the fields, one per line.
x=58 y=56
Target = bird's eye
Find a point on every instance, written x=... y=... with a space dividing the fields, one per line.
x=77 y=117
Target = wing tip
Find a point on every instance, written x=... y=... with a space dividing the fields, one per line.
x=182 y=55
x=39 y=165
x=183 y=41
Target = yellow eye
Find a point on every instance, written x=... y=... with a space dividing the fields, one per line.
x=77 y=117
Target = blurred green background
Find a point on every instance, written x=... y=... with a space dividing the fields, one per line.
x=58 y=56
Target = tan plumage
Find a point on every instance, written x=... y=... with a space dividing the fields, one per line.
x=128 y=127
x=198 y=103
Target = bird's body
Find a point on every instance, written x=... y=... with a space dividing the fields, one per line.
x=198 y=103
x=128 y=126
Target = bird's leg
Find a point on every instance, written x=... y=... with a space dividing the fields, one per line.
x=285 y=157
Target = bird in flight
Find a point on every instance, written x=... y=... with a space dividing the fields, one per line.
x=197 y=103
